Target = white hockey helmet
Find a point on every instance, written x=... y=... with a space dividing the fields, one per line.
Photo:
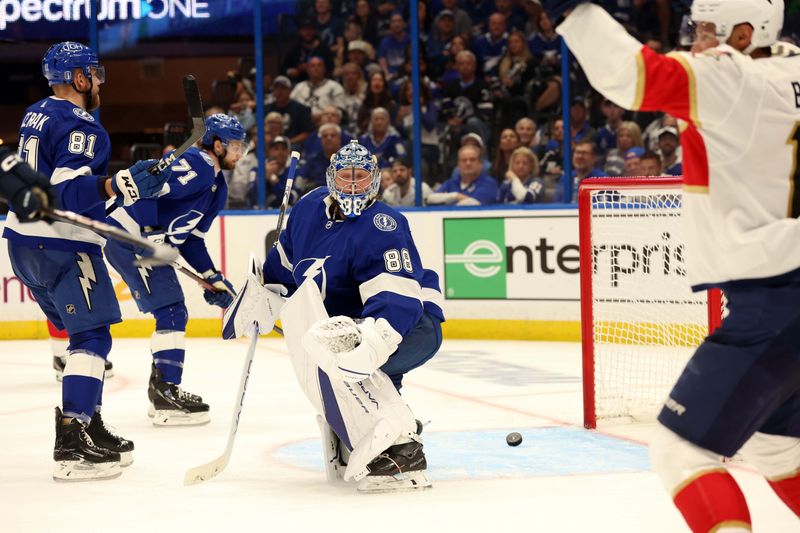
x=765 y=16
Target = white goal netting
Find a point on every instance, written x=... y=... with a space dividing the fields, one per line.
x=646 y=322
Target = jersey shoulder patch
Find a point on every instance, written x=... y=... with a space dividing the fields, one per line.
x=384 y=222
x=84 y=115
x=206 y=157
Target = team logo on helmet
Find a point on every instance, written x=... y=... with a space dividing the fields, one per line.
x=384 y=222
x=354 y=156
x=80 y=113
x=223 y=127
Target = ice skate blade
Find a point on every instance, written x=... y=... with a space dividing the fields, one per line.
x=69 y=471
x=125 y=459
x=175 y=417
x=398 y=483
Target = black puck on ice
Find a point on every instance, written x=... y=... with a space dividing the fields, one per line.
x=513 y=439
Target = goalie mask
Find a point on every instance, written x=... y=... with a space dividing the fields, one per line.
x=353 y=179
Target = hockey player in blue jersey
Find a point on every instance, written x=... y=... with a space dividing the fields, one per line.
x=361 y=254
x=179 y=217
x=62 y=264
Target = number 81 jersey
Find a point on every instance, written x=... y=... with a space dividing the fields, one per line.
x=63 y=142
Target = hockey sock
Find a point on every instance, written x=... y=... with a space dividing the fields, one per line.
x=788 y=489
x=83 y=373
x=711 y=501
x=168 y=343
x=59 y=339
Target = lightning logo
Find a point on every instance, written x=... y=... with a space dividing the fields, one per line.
x=144 y=273
x=180 y=228
x=87 y=276
x=316 y=268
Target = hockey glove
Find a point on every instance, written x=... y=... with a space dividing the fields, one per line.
x=27 y=191
x=223 y=294
x=136 y=182
x=254 y=303
x=356 y=351
x=555 y=8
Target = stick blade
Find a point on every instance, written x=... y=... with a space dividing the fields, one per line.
x=199 y=474
x=191 y=92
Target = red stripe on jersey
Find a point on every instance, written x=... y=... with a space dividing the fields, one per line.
x=712 y=500
x=789 y=491
x=667 y=85
x=694 y=159
x=55 y=332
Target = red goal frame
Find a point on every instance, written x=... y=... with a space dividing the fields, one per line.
x=586 y=268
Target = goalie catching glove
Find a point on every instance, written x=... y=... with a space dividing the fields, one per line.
x=354 y=350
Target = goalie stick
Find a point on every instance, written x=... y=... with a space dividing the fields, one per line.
x=206 y=471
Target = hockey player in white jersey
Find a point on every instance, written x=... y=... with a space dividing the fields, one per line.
x=348 y=256
x=62 y=264
x=741 y=201
x=180 y=217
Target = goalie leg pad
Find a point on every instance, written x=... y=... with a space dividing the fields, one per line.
x=334 y=452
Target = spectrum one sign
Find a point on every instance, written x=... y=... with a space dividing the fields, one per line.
x=12 y=11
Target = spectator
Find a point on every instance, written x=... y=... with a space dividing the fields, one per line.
x=354 y=90
x=368 y=20
x=311 y=171
x=552 y=157
x=473 y=88
x=444 y=29
x=545 y=42
x=650 y=133
x=668 y=144
x=277 y=172
x=387 y=179
x=318 y=91
x=376 y=95
x=392 y=49
x=581 y=129
x=513 y=20
x=403 y=191
x=473 y=185
x=533 y=12
x=330 y=115
x=628 y=136
x=242 y=109
x=509 y=141
x=330 y=28
x=517 y=68
x=296 y=61
x=362 y=54
x=545 y=88
x=297 y=123
x=273 y=126
x=381 y=139
x=457 y=45
x=490 y=47
x=462 y=20
x=633 y=161
x=650 y=164
x=522 y=184
x=606 y=137
x=528 y=134
x=584 y=159
x=429 y=114
x=352 y=33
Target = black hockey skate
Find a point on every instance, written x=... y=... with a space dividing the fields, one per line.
x=400 y=468
x=172 y=406
x=103 y=437
x=59 y=362
x=76 y=455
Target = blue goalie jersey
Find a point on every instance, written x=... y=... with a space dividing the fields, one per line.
x=66 y=143
x=366 y=266
x=184 y=209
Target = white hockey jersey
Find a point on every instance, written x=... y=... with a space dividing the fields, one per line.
x=740 y=150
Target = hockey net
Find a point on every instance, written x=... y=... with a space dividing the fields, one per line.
x=640 y=320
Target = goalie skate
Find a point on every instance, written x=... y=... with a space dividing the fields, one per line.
x=60 y=361
x=400 y=468
x=77 y=457
x=172 y=406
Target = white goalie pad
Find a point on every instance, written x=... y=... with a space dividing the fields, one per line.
x=254 y=304
x=368 y=416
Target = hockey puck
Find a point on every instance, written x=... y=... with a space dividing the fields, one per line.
x=513 y=439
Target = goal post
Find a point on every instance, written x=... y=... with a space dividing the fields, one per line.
x=640 y=321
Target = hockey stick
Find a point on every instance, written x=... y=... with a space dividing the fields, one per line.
x=161 y=255
x=192 y=94
x=205 y=472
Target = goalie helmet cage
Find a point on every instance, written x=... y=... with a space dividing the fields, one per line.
x=640 y=322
